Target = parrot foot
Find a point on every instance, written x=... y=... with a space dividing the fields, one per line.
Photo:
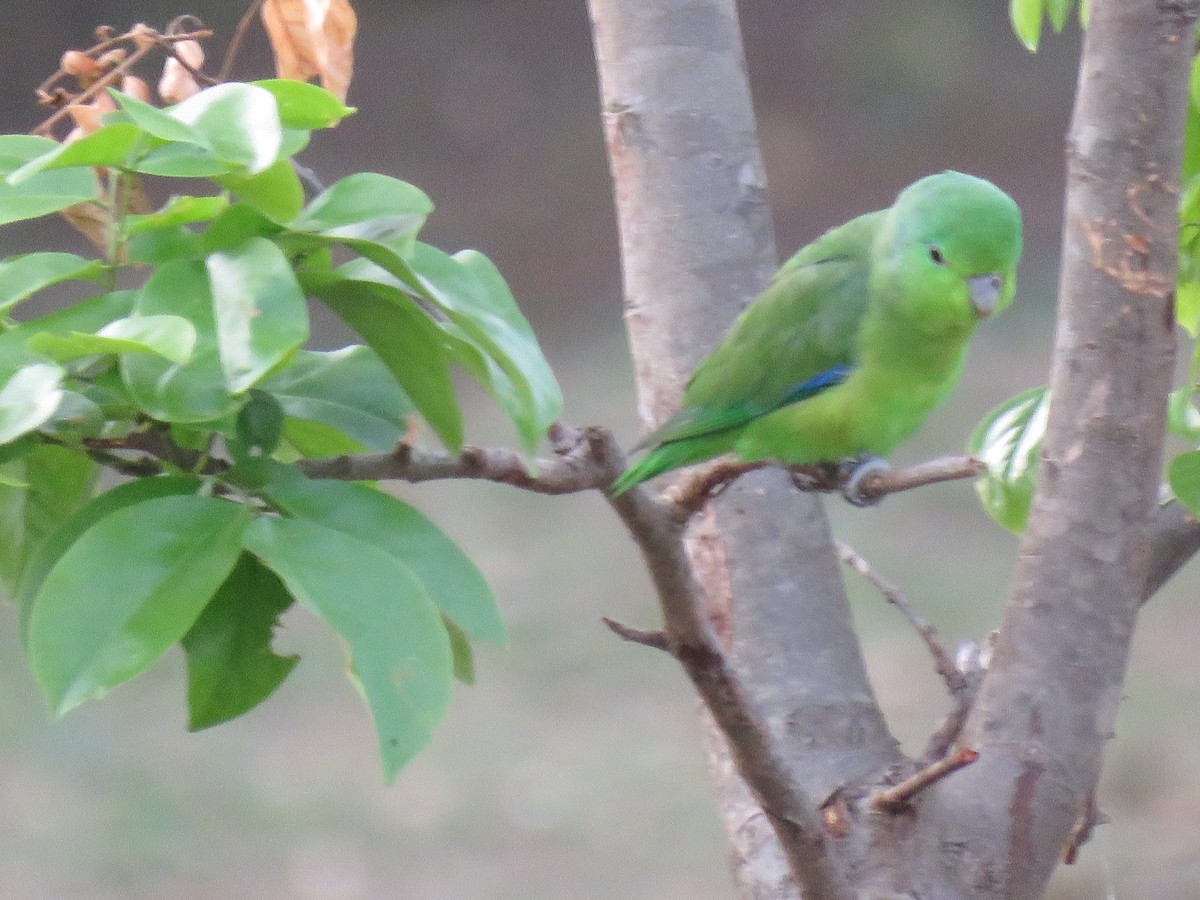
x=858 y=469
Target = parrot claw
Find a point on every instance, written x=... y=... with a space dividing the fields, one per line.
x=858 y=470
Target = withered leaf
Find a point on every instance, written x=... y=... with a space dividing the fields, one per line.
x=313 y=37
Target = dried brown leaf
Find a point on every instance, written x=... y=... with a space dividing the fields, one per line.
x=135 y=87
x=87 y=115
x=81 y=66
x=177 y=83
x=313 y=37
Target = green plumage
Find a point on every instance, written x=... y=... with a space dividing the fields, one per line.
x=857 y=337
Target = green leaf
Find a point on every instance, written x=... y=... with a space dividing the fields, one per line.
x=304 y=105
x=182 y=161
x=366 y=206
x=260 y=422
x=475 y=296
x=464 y=657
x=1183 y=475
x=57 y=481
x=448 y=576
x=1009 y=440
x=261 y=314
x=28 y=399
x=157 y=122
x=1058 y=11
x=235 y=226
x=23 y=276
x=400 y=655
x=408 y=342
x=1026 y=16
x=350 y=389
x=107 y=146
x=1183 y=419
x=192 y=392
x=55 y=520
x=85 y=316
x=76 y=418
x=170 y=243
x=231 y=667
x=177 y=211
x=42 y=194
x=240 y=122
x=276 y=192
x=129 y=588
x=170 y=337
x=1187 y=307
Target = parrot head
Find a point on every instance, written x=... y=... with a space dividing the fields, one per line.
x=950 y=248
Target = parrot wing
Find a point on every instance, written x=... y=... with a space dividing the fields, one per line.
x=795 y=340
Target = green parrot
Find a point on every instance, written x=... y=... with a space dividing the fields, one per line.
x=857 y=338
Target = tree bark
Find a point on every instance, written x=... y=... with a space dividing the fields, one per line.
x=697 y=244
x=1050 y=698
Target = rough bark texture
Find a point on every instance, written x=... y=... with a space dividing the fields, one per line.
x=1051 y=695
x=696 y=246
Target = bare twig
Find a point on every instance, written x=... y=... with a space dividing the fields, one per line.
x=899 y=796
x=655 y=638
x=943 y=662
x=235 y=42
x=1082 y=830
x=692 y=493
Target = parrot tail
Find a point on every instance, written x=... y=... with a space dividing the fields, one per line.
x=668 y=456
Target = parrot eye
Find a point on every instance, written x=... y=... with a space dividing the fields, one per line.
x=936 y=255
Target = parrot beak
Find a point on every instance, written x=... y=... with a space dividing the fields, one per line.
x=985 y=291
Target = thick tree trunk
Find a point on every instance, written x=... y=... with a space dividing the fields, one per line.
x=775 y=656
x=697 y=244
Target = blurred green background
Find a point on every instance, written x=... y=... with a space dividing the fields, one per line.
x=573 y=768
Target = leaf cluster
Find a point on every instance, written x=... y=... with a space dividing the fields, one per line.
x=197 y=382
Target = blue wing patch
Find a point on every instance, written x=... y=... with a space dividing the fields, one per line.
x=825 y=380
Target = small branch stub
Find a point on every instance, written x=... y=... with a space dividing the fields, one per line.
x=899 y=796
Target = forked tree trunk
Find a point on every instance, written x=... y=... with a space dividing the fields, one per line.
x=697 y=245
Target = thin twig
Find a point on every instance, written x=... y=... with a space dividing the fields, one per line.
x=943 y=662
x=655 y=638
x=690 y=495
x=235 y=42
x=899 y=796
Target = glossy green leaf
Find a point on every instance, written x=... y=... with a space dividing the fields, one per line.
x=276 y=191
x=261 y=314
x=76 y=418
x=306 y=437
x=107 y=146
x=231 y=666
x=477 y=299
x=240 y=122
x=1026 y=16
x=28 y=399
x=1183 y=476
x=1009 y=440
x=304 y=105
x=57 y=481
x=171 y=337
x=1057 y=12
x=129 y=588
x=192 y=392
x=170 y=243
x=260 y=422
x=23 y=276
x=45 y=193
x=448 y=576
x=408 y=342
x=1187 y=307
x=56 y=521
x=350 y=389
x=157 y=122
x=366 y=206
x=400 y=655
x=238 y=224
x=177 y=211
x=1183 y=419
x=85 y=316
x=182 y=161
